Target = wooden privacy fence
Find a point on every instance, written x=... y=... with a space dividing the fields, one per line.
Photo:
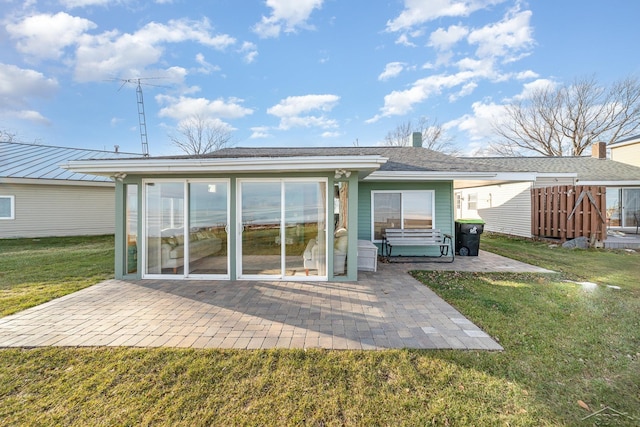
x=565 y=212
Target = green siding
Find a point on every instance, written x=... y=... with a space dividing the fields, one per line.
x=444 y=218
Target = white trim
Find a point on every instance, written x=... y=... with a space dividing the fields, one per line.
x=557 y=174
x=225 y=165
x=12 y=208
x=630 y=141
x=374 y=192
x=449 y=176
x=37 y=181
x=611 y=183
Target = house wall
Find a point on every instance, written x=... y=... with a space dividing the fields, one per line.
x=59 y=210
x=443 y=208
x=505 y=208
x=629 y=154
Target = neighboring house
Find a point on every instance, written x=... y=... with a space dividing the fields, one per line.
x=40 y=199
x=277 y=213
x=626 y=151
x=506 y=207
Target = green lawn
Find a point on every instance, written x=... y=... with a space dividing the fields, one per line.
x=33 y=271
x=565 y=343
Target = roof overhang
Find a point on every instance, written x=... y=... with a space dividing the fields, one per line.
x=461 y=179
x=363 y=164
x=630 y=183
x=44 y=181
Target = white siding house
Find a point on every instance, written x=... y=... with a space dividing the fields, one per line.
x=40 y=199
x=506 y=207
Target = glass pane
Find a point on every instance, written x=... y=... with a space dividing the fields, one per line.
x=340 y=238
x=132 y=227
x=417 y=210
x=208 y=228
x=304 y=229
x=630 y=206
x=386 y=213
x=261 y=217
x=165 y=227
x=5 y=207
x=613 y=207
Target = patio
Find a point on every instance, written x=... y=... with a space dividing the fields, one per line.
x=385 y=309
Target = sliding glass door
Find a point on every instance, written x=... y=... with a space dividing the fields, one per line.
x=282 y=229
x=186 y=226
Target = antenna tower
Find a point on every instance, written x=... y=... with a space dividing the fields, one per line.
x=142 y=120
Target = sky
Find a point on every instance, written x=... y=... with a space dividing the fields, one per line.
x=294 y=73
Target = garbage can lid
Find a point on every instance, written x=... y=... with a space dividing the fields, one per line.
x=470 y=221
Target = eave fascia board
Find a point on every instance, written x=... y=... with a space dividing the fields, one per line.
x=447 y=176
x=557 y=174
x=44 y=181
x=623 y=143
x=630 y=183
x=224 y=165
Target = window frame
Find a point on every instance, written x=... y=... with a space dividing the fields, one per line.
x=472 y=205
x=12 y=207
x=431 y=193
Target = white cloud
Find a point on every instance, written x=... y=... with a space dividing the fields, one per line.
x=442 y=39
x=294 y=111
x=528 y=89
x=260 y=132
x=112 y=53
x=401 y=102
x=392 y=69
x=417 y=12
x=18 y=86
x=183 y=108
x=287 y=16
x=205 y=67
x=331 y=134
x=512 y=34
x=250 y=52
x=70 y=4
x=479 y=125
x=45 y=36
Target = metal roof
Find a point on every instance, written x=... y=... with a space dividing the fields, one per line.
x=34 y=161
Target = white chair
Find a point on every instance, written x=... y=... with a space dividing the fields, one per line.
x=312 y=258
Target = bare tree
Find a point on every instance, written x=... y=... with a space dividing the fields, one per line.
x=434 y=136
x=7 y=136
x=199 y=135
x=569 y=119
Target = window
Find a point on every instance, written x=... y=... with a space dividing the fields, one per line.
x=401 y=209
x=7 y=207
x=472 y=204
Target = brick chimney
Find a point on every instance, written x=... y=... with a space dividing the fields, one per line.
x=416 y=139
x=599 y=150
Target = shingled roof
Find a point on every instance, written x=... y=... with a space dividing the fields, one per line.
x=400 y=158
x=586 y=168
x=34 y=161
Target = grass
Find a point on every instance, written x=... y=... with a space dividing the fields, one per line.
x=564 y=344
x=33 y=271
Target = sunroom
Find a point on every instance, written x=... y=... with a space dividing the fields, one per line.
x=275 y=218
x=273 y=214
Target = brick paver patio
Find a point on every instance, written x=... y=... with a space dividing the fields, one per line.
x=386 y=309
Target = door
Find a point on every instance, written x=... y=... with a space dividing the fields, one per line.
x=208 y=228
x=185 y=229
x=261 y=217
x=282 y=229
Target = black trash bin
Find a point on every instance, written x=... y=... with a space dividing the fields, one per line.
x=468 y=233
